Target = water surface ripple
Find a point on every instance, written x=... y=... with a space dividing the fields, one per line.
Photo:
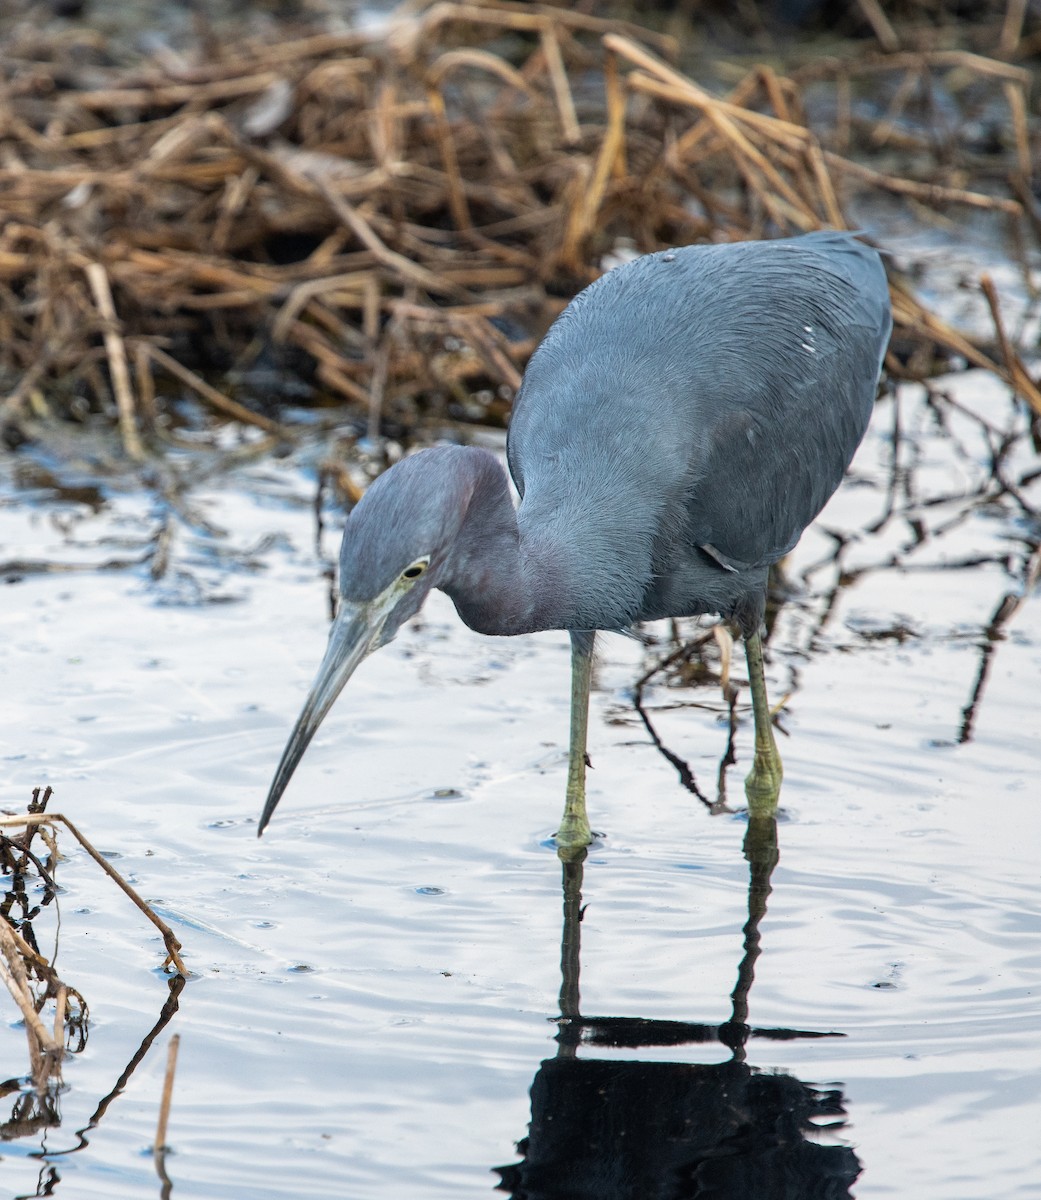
x=379 y=1008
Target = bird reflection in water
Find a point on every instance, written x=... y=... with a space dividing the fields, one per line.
x=604 y=1129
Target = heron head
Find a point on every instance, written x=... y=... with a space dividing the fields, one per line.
x=397 y=546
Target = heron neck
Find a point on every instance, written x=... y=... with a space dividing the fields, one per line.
x=502 y=581
x=516 y=571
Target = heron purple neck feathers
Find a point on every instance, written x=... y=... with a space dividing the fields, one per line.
x=501 y=579
x=508 y=571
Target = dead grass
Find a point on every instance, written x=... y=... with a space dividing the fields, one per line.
x=397 y=218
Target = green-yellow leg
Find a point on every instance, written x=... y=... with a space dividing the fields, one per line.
x=763 y=785
x=574 y=833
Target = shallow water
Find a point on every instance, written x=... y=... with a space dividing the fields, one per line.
x=378 y=981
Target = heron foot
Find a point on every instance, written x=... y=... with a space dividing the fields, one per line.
x=574 y=834
x=763 y=784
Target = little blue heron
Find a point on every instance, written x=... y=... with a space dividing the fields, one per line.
x=682 y=422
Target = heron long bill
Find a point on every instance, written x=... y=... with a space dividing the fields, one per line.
x=355 y=633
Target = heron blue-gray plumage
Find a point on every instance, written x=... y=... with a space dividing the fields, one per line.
x=680 y=425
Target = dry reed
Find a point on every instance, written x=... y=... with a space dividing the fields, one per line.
x=396 y=218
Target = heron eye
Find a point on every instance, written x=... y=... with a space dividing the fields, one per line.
x=414 y=571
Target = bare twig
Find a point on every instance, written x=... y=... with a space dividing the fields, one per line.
x=117 y=360
x=1017 y=372
x=12 y=972
x=210 y=394
x=32 y=820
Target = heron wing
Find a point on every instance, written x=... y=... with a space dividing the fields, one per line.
x=788 y=389
x=699 y=401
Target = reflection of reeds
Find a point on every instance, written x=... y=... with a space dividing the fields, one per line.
x=399 y=215
x=29 y=976
x=159 y=1146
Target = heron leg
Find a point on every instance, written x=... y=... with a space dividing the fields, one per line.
x=574 y=833
x=763 y=785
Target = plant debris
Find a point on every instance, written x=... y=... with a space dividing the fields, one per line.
x=30 y=977
x=395 y=217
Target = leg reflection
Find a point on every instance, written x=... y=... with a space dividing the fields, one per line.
x=625 y=1129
